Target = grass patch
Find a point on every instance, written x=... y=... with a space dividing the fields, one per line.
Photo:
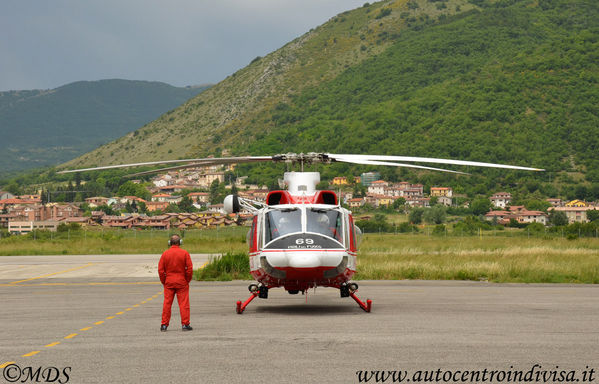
x=230 y=266
x=495 y=258
x=119 y=241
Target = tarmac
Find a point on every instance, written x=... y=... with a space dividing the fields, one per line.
x=97 y=318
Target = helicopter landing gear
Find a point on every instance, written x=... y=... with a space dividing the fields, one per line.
x=256 y=291
x=349 y=290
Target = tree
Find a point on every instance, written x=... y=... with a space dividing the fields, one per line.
x=13 y=188
x=186 y=205
x=480 y=206
x=415 y=216
x=131 y=189
x=593 y=215
x=217 y=192
x=435 y=215
x=558 y=218
x=399 y=203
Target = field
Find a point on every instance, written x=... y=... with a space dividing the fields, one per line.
x=502 y=256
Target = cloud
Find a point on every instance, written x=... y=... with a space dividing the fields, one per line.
x=181 y=42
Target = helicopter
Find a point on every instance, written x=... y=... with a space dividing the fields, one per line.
x=300 y=237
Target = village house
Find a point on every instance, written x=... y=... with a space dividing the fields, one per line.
x=9 y=203
x=526 y=217
x=556 y=202
x=339 y=180
x=153 y=206
x=501 y=199
x=501 y=217
x=219 y=208
x=377 y=187
x=163 y=180
x=444 y=200
x=6 y=218
x=155 y=222
x=577 y=203
x=418 y=202
x=441 y=191
x=97 y=201
x=199 y=197
x=118 y=221
x=34 y=198
x=206 y=180
x=574 y=214
x=24 y=227
x=6 y=195
x=131 y=200
x=161 y=197
x=82 y=221
x=356 y=202
x=517 y=208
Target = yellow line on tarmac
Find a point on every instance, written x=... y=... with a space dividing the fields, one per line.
x=98 y=322
x=76 y=284
x=128 y=309
x=52 y=274
x=120 y=313
x=70 y=336
x=52 y=344
x=86 y=329
x=7 y=364
x=110 y=317
x=30 y=354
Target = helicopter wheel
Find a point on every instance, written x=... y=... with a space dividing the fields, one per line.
x=293 y=291
x=263 y=292
x=344 y=290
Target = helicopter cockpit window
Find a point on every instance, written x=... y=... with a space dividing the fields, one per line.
x=326 y=222
x=282 y=222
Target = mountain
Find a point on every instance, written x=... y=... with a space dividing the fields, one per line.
x=48 y=127
x=511 y=81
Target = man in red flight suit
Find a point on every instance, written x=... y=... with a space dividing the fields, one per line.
x=175 y=270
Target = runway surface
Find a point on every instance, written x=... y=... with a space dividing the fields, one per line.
x=100 y=317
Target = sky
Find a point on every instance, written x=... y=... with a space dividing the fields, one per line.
x=48 y=43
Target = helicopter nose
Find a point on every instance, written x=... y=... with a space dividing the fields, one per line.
x=304 y=260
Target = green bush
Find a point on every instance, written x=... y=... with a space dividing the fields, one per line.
x=231 y=266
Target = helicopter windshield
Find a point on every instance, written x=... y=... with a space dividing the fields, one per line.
x=282 y=222
x=326 y=222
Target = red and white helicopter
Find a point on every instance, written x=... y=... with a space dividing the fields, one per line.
x=300 y=237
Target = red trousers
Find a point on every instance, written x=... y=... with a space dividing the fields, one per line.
x=182 y=299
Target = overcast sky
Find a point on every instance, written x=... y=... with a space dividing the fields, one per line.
x=48 y=43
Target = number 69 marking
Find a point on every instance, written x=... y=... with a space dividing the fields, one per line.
x=304 y=241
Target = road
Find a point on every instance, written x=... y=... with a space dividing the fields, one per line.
x=99 y=316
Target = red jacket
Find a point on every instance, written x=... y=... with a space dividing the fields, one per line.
x=175 y=268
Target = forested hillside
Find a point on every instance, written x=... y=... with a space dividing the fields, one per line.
x=47 y=127
x=513 y=82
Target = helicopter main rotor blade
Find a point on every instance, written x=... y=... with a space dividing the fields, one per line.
x=186 y=166
x=373 y=162
x=428 y=160
x=199 y=162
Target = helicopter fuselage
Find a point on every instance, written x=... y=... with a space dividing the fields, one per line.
x=301 y=246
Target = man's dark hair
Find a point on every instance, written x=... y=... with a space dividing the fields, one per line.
x=175 y=240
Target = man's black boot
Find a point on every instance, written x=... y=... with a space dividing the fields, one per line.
x=163 y=328
x=186 y=327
